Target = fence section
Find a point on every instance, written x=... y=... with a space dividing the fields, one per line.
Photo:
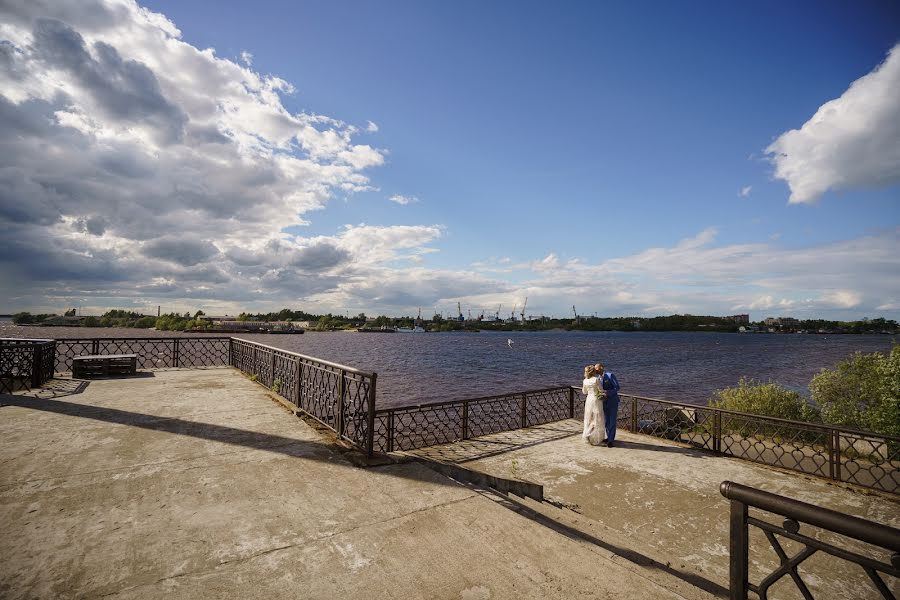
x=863 y=458
x=410 y=427
x=25 y=363
x=872 y=547
x=341 y=398
x=152 y=353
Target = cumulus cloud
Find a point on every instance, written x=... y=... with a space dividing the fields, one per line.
x=128 y=155
x=852 y=142
x=403 y=200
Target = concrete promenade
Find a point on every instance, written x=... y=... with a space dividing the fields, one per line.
x=197 y=484
x=654 y=499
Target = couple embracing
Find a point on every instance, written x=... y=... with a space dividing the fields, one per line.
x=601 y=407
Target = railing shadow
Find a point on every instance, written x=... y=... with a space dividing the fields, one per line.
x=628 y=554
x=286 y=446
x=494 y=444
x=55 y=388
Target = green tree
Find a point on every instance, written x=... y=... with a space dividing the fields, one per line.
x=91 y=321
x=769 y=399
x=862 y=391
x=145 y=322
x=23 y=318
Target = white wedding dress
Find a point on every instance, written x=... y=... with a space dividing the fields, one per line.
x=594 y=428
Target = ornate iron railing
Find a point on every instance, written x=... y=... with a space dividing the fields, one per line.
x=878 y=552
x=25 y=363
x=341 y=398
x=863 y=458
x=152 y=352
x=410 y=427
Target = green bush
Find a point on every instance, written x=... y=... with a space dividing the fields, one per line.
x=862 y=391
x=769 y=399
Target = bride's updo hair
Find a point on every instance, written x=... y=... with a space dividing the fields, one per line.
x=588 y=371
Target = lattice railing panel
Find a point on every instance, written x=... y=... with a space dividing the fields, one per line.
x=67 y=349
x=547 y=406
x=791 y=447
x=25 y=363
x=868 y=460
x=202 y=352
x=152 y=353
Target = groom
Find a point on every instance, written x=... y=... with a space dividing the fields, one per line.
x=610 y=403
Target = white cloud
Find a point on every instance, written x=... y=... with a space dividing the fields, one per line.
x=852 y=142
x=843 y=298
x=371 y=127
x=167 y=161
x=745 y=191
x=403 y=200
x=548 y=263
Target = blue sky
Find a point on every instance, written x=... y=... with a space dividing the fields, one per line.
x=612 y=155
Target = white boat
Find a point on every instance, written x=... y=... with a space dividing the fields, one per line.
x=416 y=329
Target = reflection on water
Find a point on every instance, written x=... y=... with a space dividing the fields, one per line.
x=428 y=367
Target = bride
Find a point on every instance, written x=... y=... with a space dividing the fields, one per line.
x=594 y=431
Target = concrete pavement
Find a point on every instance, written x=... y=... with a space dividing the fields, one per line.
x=660 y=500
x=197 y=484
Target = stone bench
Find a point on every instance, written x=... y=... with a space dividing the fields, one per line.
x=104 y=365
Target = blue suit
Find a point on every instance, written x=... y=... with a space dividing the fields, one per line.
x=610 y=405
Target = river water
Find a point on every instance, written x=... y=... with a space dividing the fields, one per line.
x=427 y=367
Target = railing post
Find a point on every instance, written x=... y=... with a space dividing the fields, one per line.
x=370 y=434
x=176 y=359
x=836 y=453
x=297 y=382
x=738 y=551
x=272 y=370
x=390 y=432
x=524 y=411
x=717 y=431
x=571 y=402
x=95 y=346
x=339 y=418
x=231 y=352
x=465 y=420
x=634 y=416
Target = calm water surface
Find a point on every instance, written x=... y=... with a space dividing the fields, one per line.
x=427 y=367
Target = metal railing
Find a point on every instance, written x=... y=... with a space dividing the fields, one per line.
x=152 y=352
x=411 y=427
x=341 y=398
x=25 y=363
x=844 y=454
x=879 y=551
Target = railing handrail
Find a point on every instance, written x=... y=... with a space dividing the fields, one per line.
x=146 y=339
x=32 y=340
x=805 y=424
x=327 y=363
x=844 y=524
x=443 y=403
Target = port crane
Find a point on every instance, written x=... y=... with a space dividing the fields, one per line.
x=459 y=310
x=512 y=315
x=499 y=306
x=524 y=304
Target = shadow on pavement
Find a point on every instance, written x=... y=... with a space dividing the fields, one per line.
x=633 y=556
x=295 y=448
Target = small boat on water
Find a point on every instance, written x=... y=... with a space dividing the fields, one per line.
x=415 y=329
x=382 y=329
